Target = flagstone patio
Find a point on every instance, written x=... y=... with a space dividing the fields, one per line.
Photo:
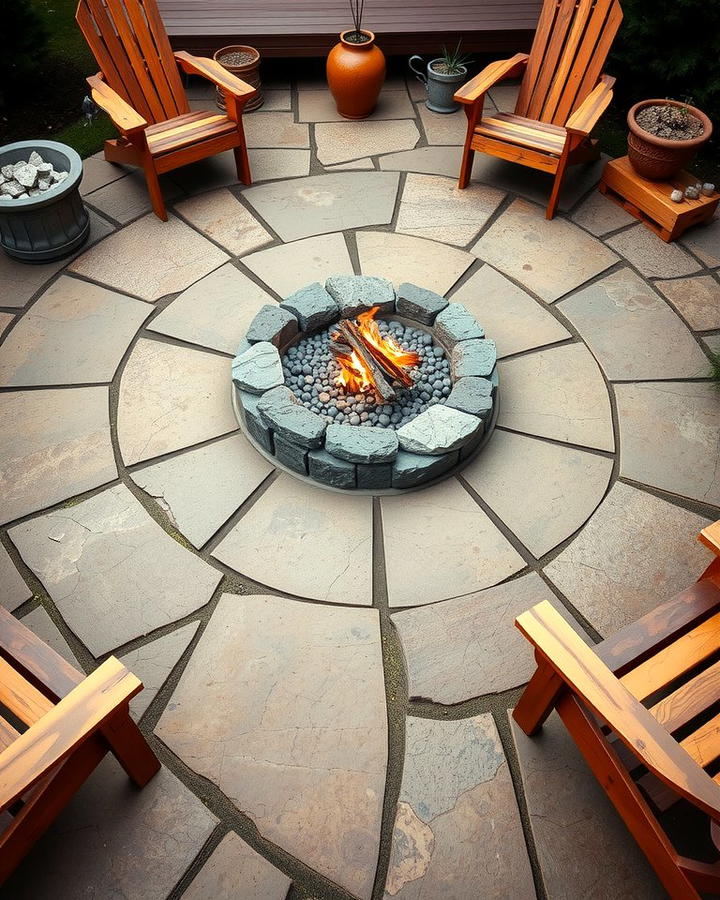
x=328 y=677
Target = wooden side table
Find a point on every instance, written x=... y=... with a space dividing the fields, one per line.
x=649 y=201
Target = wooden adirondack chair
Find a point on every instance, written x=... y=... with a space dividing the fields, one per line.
x=139 y=87
x=624 y=702
x=561 y=98
x=72 y=721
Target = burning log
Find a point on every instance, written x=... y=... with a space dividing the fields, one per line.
x=345 y=342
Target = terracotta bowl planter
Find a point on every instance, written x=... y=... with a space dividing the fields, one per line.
x=248 y=72
x=355 y=74
x=656 y=158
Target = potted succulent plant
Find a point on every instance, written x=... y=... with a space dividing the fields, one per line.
x=664 y=136
x=356 y=68
x=441 y=78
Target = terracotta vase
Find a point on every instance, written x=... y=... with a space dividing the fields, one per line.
x=355 y=74
x=656 y=158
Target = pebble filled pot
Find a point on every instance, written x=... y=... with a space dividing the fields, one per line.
x=51 y=223
x=243 y=62
x=664 y=136
x=356 y=69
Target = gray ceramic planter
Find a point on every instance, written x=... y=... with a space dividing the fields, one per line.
x=55 y=223
x=440 y=88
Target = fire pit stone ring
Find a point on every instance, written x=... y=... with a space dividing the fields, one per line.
x=357 y=387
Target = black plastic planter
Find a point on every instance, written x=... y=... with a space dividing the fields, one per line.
x=55 y=223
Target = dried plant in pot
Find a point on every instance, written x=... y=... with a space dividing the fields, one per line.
x=356 y=68
x=441 y=78
x=243 y=62
x=664 y=136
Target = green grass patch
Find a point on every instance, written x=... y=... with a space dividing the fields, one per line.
x=87 y=139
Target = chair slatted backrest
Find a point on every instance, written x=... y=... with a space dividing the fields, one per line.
x=571 y=44
x=131 y=46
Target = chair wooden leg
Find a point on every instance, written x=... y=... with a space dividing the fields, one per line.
x=154 y=189
x=130 y=748
x=538 y=699
x=473 y=113
x=704 y=876
x=556 y=188
x=243 y=164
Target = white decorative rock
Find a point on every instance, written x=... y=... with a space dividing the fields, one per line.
x=438 y=430
x=676 y=196
x=258 y=369
x=36 y=160
x=26 y=176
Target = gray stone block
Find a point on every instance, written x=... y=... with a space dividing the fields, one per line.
x=242 y=347
x=412 y=469
x=325 y=467
x=361 y=445
x=456 y=323
x=473 y=358
x=253 y=423
x=472 y=445
x=419 y=303
x=438 y=430
x=313 y=307
x=357 y=293
x=258 y=369
x=280 y=411
x=272 y=323
x=374 y=478
x=473 y=396
x=291 y=455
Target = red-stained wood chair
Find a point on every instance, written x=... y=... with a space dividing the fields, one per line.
x=139 y=87
x=56 y=725
x=642 y=707
x=561 y=97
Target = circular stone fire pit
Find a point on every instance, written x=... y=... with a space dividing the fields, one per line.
x=358 y=388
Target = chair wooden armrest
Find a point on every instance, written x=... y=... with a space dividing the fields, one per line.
x=213 y=71
x=590 y=680
x=710 y=537
x=472 y=90
x=124 y=117
x=586 y=116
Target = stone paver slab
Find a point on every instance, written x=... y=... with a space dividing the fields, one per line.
x=599 y=215
x=433 y=207
x=442 y=128
x=200 y=489
x=584 y=848
x=704 y=241
x=696 y=299
x=428 y=160
x=277 y=100
x=126 y=199
x=269 y=164
x=20 y=281
x=53 y=444
x=323 y=539
x=171 y=397
x=75 y=333
x=651 y=255
x=670 y=437
x=221 y=170
x=222 y=217
x=712 y=342
x=13 y=590
x=111 y=570
x=457 y=826
x=549 y=257
x=635 y=552
x=460 y=649
x=97 y=172
x=115 y=841
x=287 y=268
x=5 y=321
x=504 y=97
x=353 y=164
x=548 y=497
x=40 y=623
x=402 y=257
x=215 y=312
x=323 y=203
x=150 y=258
x=440 y=544
x=341 y=141
x=632 y=333
x=511 y=317
x=275 y=130
x=236 y=870
x=557 y=393
x=278 y=727
x=319 y=106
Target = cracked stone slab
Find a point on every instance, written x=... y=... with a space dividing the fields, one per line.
x=278 y=727
x=438 y=430
x=288 y=267
x=214 y=312
x=632 y=333
x=113 y=840
x=704 y=241
x=150 y=258
x=545 y=499
x=201 y=488
x=170 y=398
x=599 y=215
x=75 y=333
x=583 y=846
x=557 y=393
x=222 y=217
x=342 y=141
x=53 y=444
x=13 y=590
x=457 y=827
x=275 y=130
x=112 y=571
x=622 y=563
x=550 y=258
x=514 y=319
x=442 y=128
x=319 y=106
x=362 y=445
x=323 y=539
x=40 y=623
x=433 y=207
x=358 y=293
x=652 y=256
x=670 y=437
x=321 y=204
x=440 y=544
x=402 y=257
x=460 y=649
x=696 y=299
x=236 y=870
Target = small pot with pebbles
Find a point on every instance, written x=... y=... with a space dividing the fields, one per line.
x=664 y=137
x=243 y=62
